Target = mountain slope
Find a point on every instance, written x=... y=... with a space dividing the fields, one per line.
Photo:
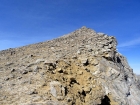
x=80 y=68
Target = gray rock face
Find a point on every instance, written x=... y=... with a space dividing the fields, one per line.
x=80 y=68
x=57 y=90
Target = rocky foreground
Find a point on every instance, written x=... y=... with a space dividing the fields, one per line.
x=80 y=68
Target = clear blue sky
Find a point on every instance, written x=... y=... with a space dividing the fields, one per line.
x=25 y=22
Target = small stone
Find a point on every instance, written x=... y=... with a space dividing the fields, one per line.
x=78 y=52
x=69 y=99
x=59 y=69
x=6 y=79
x=87 y=70
x=90 y=50
x=19 y=77
x=12 y=70
x=33 y=91
x=93 y=86
x=87 y=89
x=47 y=62
x=84 y=60
x=74 y=57
x=24 y=72
x=39 y=60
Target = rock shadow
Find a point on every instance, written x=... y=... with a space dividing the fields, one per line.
x=105 y=101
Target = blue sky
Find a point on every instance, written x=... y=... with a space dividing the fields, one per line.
x=24 y=22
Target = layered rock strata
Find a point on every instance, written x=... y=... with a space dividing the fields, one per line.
x=80 y=68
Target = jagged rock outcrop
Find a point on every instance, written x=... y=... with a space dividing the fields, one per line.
x=80 y=68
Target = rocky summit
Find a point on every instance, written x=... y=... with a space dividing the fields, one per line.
x=80 y=68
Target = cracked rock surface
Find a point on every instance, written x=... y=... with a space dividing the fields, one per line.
x=80 y=68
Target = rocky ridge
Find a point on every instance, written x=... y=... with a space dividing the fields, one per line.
x=80 y=68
